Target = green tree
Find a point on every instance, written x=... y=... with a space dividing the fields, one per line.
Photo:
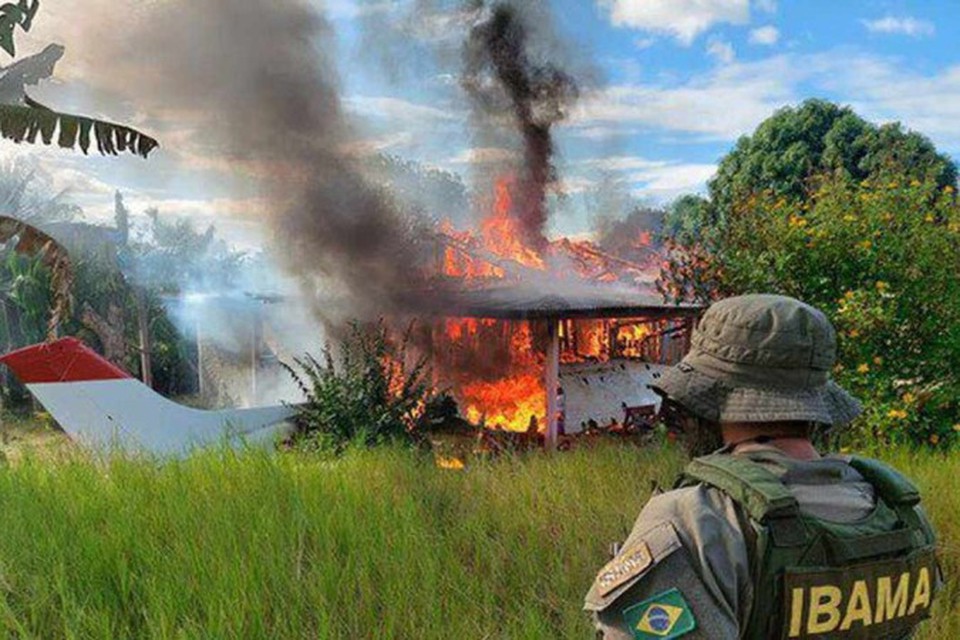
x=799 y=145
x=882 y=261
x=689 y=219
x=860 y=221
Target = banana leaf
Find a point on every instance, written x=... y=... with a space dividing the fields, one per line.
x=24 y=124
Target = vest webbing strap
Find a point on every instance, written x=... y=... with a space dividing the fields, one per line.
x=761 y=493
x=893 y=488
x=848 y=551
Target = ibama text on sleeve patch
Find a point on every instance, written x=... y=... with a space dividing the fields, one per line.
x=631 y=562
x=663 y=617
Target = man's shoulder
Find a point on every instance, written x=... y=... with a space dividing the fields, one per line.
x=683 y=552
x=687 y=507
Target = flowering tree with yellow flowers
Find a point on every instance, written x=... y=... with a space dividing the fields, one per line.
x=882 y=259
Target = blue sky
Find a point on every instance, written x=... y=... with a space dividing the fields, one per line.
x=669 y=85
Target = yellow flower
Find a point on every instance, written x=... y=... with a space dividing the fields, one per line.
x=882 y=286
x=909 y=398
x=866 y=245
x=849 y=218
x=893 y=185
x=897 y=414
x=948 y=189
x=887 y=217
x=929 y=218
x=914 y=183
x=934 y=439
x=878 y=361
x=454 y=464
x=854 y=333
x=849 y=295
x=863 y=368
x=956 y=427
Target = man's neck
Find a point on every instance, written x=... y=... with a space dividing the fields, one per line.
x=798 y=448
x=790 y=438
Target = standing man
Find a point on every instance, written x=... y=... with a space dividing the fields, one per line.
x=766 y=538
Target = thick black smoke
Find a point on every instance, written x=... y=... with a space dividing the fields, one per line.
x=258 y=79
x=500 y=74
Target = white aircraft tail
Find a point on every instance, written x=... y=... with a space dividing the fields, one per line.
x=100 y=405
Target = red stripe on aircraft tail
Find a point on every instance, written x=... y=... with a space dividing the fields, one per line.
x=65 y=360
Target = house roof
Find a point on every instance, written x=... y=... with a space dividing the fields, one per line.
x=555 y=300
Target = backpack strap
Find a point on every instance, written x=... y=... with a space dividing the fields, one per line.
x=759 y=492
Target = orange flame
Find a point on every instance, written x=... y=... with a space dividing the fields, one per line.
x=512 y=403
x=502 y=233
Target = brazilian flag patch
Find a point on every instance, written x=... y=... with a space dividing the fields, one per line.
x=664 y=616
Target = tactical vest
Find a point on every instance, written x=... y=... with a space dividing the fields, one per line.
x=812 y=578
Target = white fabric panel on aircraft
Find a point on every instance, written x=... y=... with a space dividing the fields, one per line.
x=128 y=414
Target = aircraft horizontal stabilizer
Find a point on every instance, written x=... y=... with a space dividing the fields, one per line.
x=103 y=406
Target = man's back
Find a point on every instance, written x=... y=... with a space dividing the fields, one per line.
x=772 y=540
x=703 y=545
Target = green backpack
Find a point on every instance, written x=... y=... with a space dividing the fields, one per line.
x=812 y=578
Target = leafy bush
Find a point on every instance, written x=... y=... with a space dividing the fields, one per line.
x=373 y=391
x=881 y=260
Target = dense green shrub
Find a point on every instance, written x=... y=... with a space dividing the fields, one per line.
x=371 y=391
x=882 y=260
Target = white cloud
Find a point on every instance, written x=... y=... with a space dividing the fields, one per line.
x=769 y=6
x=644 y=43
x=660 y=180
x=623 y=163
x=672 y=180
x=882 y=90
x=904 y=26
x=730 y=101
x=396 y=109
x=723 y=104
x=683 y=19
x=602 y=132
x=373 y=146
x=768 y=35
x=484 y=155
x=721 y=50
x=351 y=9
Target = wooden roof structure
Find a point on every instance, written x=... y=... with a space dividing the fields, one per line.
x=552 y=300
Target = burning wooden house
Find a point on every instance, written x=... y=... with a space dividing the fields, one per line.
x=555 y=339
x=499 y=350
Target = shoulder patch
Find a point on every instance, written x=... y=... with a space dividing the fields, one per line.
x=631 y=562
x=663 y=617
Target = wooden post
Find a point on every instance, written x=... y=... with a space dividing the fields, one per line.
x=143 y=324
x=255 y=355
x=200 y=385
x=552 y=381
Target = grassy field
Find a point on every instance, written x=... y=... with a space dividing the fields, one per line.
x=374 y=545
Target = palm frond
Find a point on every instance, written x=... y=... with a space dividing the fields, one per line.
x=13 y=16
x=35 y=123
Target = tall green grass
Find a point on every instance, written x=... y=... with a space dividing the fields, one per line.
x=376 y=544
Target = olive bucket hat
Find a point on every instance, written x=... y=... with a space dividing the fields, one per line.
x=760 y=358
